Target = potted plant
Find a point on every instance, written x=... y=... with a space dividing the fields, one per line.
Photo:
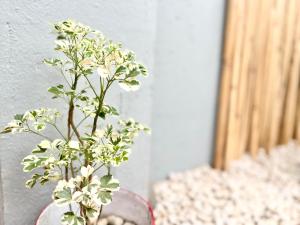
x=95 y=141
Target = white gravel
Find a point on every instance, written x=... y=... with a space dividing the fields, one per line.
x=265 y=191
x=114 y=220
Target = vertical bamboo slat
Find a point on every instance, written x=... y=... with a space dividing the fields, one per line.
x=225 y=85
x=268 y=74
x=233 y=119
x=288 y=52
x=277 y=73
x=293 y=86
x=249 y=75
x=297 y=127
x=258 y=96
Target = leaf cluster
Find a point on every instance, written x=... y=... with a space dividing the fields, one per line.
x=73 y=158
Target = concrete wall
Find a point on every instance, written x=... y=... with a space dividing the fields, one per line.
x=179 y=41
x=1 y=200
x=25 y=41
x=187 y=62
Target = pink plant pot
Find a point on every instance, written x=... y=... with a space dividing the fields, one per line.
x=125 y=204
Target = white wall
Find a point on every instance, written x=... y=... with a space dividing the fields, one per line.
x=25 y=41
x=187 y=62
x=179 y=41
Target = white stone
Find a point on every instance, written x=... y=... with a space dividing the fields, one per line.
x=102 y=221
x=115 y=220
x=262 y=191
x=128 y=223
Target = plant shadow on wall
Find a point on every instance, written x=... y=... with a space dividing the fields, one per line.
x=73 y=158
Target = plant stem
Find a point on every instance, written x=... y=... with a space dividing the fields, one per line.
x=67 y=173
x=70 y=117
x=56 y=128
x=38 y=134
x=64 y=76
x=72 y=169
x=69 y=124
x=100 y=104
x=108 y=170
x=81 y=121
x=100 y=212
x=90 y=84
x=76 y=132
x=99 y=167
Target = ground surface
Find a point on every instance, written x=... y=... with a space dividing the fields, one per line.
x=265 y=191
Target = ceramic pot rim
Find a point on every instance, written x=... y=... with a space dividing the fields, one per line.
x=136 y=196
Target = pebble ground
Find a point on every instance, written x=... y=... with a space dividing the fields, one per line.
x=264 y=191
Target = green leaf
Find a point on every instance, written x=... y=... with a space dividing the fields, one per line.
x=129 y=85
x=114 y=111
x=106 y=188
x=44 y=179
x=19 y=117
x=31 y=162
x=133 y=73
x=63 y=196
x=55 y=90
x=91 y=213
x=38 y=150
x=53 y=62
x=102 y=114
x=39 y=126
x=70 y=93
x=45 y=144
x=31 y=182
x=104 y=197
x=143 y=70
x=29 y=167
x=107 y=182
x=6 y=130
x=120 y=70
x=69 y=218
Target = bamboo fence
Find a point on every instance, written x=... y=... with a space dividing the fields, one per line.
x=259 y=100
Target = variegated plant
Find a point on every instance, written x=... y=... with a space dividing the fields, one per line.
x=91 y=144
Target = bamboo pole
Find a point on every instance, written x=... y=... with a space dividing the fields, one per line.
x=289 y=118
x=257 y=103
x=278 y=89
x=266 y=97
x=297 y=125
x=226 y=76
x=287 y=55
x=232 y=134
x=247 y=76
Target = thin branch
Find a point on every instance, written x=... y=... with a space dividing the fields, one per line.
x=99 y=167
x=64 y=76
x=56 y=128
x=91 y=86
x=72 y=169
x=36 y=133
x=100 y=212
x=108 y=170
x=41 y=135
x=76 y=132
x=66 y=173
x=78 y=125
x=100 y=104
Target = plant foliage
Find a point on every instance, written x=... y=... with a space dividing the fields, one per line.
x=73 y=158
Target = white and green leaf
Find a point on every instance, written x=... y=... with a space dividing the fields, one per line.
x=69 y=218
